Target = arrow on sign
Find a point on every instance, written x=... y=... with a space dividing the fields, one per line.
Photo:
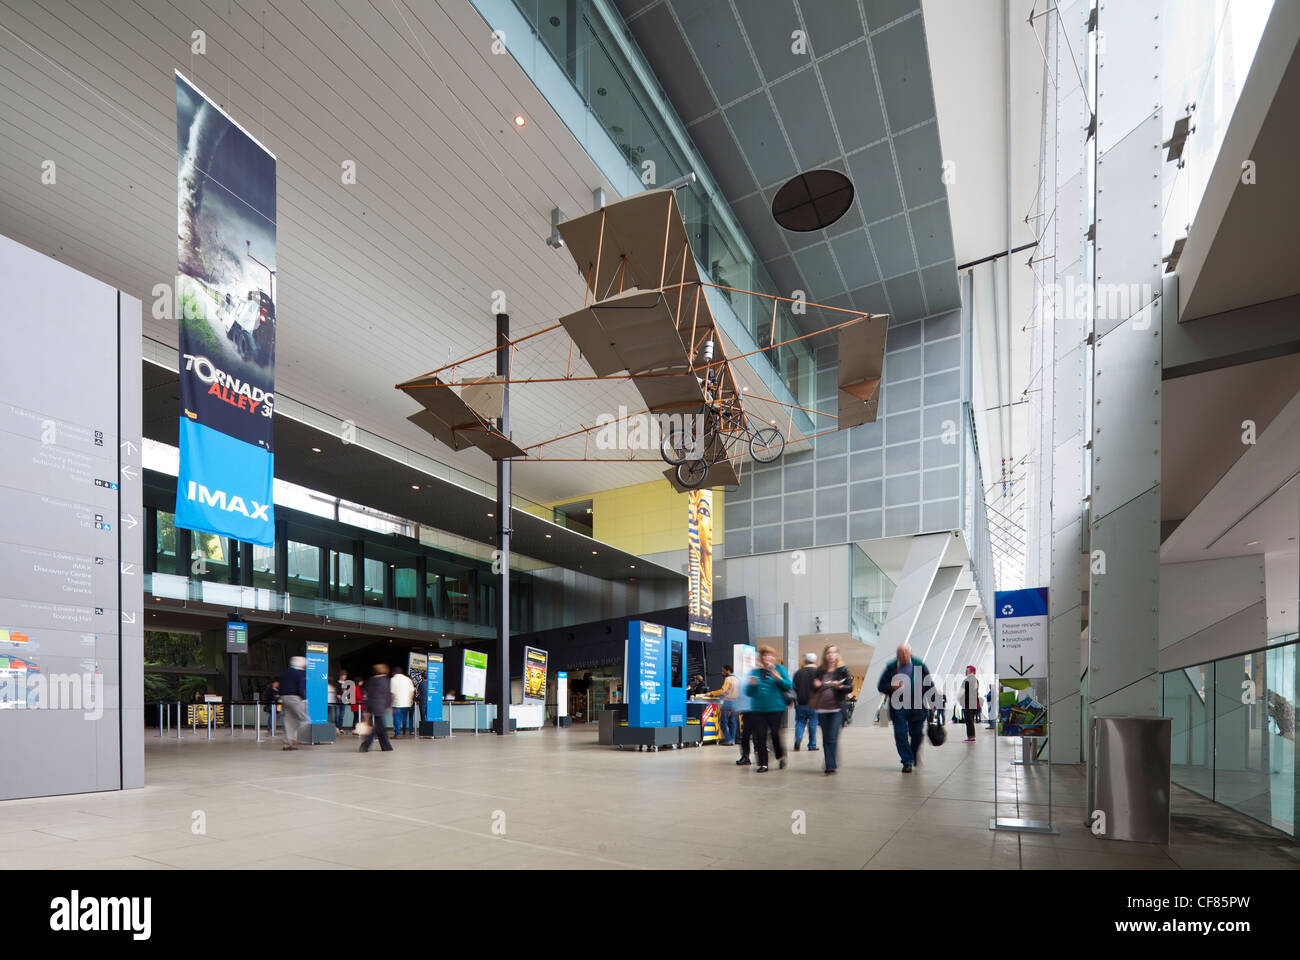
x=126 y=472
x=128 y=569
x=128 y=617
x=130 y=447
x=1023 y=669
x=130 y=521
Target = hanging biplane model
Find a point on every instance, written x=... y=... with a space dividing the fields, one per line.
x=647 y=319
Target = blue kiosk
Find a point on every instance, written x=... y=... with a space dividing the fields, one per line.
x=655 y=685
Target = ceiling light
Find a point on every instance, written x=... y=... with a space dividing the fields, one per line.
x=1252 y=543
x=593 y=553
x=491 y=514
x=632 y=565
x=315 y=449
x=520 y=120
x=415 y=486
x=548 y=536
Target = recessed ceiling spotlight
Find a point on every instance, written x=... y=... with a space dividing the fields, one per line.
x=415 y=486
x=593 y=553
x=520 y=120
x=491 y=514
x=315 y=449
x=1252 y=543
x=548 y=536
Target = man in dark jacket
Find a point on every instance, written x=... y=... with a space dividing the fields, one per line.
x=293 y=700
x=803 y=691
x=379 y=700
x=909 y=689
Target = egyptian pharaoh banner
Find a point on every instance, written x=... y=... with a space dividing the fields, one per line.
x=700 y=563
x=225 y=304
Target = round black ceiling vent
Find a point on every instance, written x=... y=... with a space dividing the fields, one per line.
x=812 y=200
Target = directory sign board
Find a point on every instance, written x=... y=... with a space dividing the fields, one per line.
x=225 y=297
x=71 y=525
x=318 y=669
x=433 y=688
x=1020 y=619
x=534 y=675
x=473 y=676
x=646 y=663
x=562 y=694
x=236 y=637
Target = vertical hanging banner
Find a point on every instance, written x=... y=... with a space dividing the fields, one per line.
x=225 y=304
x=700 y=563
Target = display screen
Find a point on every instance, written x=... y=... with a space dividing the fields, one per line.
x=675 y=664
x=534 y=674
x=236 y=637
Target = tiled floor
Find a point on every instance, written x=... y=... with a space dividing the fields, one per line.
x=555 y=798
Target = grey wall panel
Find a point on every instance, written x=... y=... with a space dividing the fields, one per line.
x=1123 y=619
x=1128 y=66
x=1128 y=225
x=1126 y=412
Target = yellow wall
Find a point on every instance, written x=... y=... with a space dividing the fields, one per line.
x=645 y=518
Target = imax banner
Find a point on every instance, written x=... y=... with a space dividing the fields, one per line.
x=225 y=296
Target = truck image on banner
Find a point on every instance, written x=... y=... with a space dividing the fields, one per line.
x=225 y=296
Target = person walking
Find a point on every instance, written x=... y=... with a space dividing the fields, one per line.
x=728 y=693
x=831 y=685
x=403 y=692
x=943 y=707
x=347 y=697
x=804 y=714
x=768 y=683
x=907 y=686
x=293 y=704
x=379 y=700
x=992 y=716
x=970 y=700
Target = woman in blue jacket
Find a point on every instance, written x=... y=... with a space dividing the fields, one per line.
x=768 y=683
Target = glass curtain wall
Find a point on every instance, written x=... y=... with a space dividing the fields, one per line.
x=1234 y=731
x=869 y=601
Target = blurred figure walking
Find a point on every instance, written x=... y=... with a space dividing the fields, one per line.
x=804 y=713
x=293 y=700
x=831 y=685
x=379 y=700
x=768 y=683
x=908 y=687
x=970 y=702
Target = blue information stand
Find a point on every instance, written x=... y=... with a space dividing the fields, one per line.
x=433 y=688
x=318 y=729
x=646 y=667
x=675 y=677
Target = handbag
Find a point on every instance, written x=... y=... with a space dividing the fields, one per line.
x=936 y=733
x=362 y=729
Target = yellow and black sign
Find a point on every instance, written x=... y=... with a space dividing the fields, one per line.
x=700 y=563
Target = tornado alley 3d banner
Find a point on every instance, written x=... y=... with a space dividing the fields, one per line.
x=225 y=295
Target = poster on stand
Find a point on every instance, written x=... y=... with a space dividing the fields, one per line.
x=225 y=307
x=417 y=665
x=534 y=675
x=700 y=564
x=473 y=676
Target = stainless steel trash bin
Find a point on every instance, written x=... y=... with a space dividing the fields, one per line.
x=1129 y=777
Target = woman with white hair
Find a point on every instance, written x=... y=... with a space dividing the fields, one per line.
x=293 y=700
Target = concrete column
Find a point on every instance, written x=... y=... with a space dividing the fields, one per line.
x=1125 y=494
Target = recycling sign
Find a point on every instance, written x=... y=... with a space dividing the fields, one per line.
x=1020 y=632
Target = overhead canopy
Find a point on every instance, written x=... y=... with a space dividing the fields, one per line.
x=639 y=242
x=861 y=365
x=449 y=419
